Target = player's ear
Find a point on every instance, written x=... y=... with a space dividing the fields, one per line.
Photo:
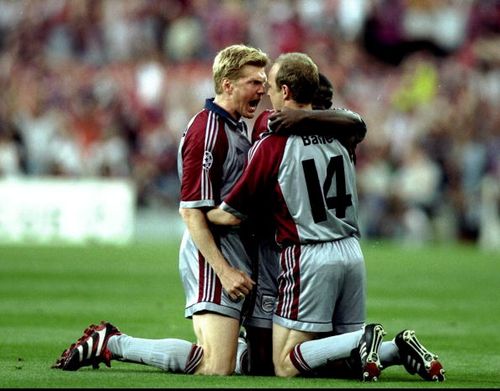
x=287 y=94
x=227 y=85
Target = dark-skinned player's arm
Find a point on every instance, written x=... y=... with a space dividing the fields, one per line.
x=345 y=125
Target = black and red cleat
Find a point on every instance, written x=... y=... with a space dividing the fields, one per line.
x=89 y=349
x=368 y=357
x=417 y=359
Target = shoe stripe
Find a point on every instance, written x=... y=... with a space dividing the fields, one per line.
x=80 y=353
x=362 y=351
x=368 y=352
x=88 y=345
x=417 y=358
x=90 y=349
x=101 y=334
x=413 y=363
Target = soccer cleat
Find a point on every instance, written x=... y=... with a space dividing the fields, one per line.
x=367 y=355
x=89 y=349
x=417 y=359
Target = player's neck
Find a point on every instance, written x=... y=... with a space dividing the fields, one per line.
x=298 y=106
x=227 y=105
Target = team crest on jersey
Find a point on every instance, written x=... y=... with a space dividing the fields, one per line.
x=208 y=160
x=268 y=303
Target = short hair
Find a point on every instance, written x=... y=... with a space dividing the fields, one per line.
x=229 y=62
x=322 y=99
x=299 y=72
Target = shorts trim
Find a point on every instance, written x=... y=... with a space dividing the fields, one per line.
x=212 y=307
x=307 y=327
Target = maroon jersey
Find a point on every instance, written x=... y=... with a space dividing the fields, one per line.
x=308 y=181
x=261 y=125
x=212 y=155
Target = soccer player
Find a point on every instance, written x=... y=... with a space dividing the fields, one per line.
x=211 y=157
x=215 y=269
x=404 y=349
x=346 y=126
x=309 y=183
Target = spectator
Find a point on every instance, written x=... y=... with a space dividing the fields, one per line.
x=94 y=59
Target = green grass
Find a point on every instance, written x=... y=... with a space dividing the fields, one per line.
x=48 y=295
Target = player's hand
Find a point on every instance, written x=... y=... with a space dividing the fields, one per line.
x=237 y=283
x=284 y=120
x=350 y=142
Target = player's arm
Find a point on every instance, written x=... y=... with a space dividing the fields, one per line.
x=219 y=216
x=248 y=191
x=346 y=126
x=194 y=204
x=233 y=280
x=337 y=122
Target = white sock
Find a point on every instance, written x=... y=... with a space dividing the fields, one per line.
x=173 y=355
x=313 y=354
x=389 y=354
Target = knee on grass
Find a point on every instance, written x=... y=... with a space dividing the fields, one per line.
x=215 y=367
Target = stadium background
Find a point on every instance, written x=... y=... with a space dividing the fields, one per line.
x=105 y=88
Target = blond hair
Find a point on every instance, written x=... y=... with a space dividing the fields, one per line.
x=228 y=63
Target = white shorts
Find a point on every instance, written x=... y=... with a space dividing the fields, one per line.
x=322 y=287
x=202 y=287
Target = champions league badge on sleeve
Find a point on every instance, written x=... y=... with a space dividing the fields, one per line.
x=208 y=160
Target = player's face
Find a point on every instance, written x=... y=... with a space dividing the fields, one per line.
x=248 y=90
x=275 y=93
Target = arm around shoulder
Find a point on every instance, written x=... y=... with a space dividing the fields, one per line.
x=337 y=122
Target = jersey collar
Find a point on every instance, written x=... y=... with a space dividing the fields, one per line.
x=236 y=125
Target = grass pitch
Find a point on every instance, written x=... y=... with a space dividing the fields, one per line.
x=449 y=294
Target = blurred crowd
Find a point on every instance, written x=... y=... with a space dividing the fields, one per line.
x=106 y=87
